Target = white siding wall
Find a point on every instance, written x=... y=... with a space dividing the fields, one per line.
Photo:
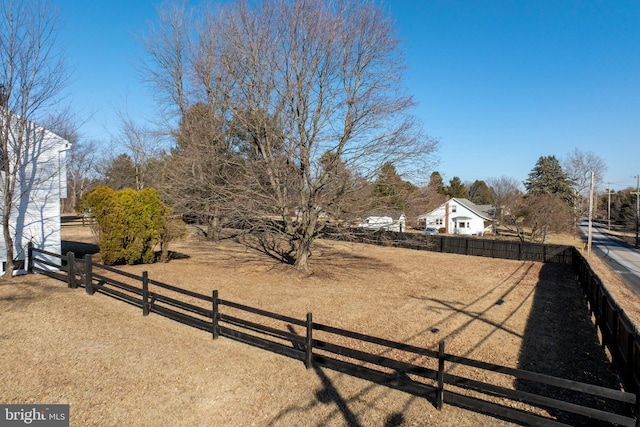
x=36 y=213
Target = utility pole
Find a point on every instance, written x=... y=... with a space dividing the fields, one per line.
x=590 y=238
x=637 y=193
x=609 y=207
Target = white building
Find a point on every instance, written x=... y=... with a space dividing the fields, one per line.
x=41 y=182
x=460 y=216
x=386 y=223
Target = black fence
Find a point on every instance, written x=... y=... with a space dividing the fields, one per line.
x=619 y=333
x=475 y=246
x=436 y=375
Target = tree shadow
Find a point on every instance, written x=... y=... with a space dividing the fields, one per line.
x=327 y=259
x=267 y=244
x=560 y=340
x=79 y=249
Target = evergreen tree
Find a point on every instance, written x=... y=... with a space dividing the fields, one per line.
x=436 y=184
x=480 y=193
x=456 y=188
x=547 y=177
x=390 y=190
x=120 y=173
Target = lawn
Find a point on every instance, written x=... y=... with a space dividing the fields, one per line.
x=116 y=367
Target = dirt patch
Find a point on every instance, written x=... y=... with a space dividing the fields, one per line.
x=115 y=367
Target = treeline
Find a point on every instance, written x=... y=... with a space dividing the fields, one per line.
x=620 y=207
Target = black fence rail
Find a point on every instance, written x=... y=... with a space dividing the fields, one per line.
x=475 y=246
x=618 y=332
x=435 y=375
x=152 y=296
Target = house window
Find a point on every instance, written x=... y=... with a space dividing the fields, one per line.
x=453 y=208
x=439 y=221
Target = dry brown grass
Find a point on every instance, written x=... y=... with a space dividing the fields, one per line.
x=115 y=367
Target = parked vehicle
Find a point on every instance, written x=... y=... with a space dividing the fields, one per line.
x=430 y=231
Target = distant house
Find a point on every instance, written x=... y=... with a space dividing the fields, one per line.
x=460 y=216
x=384 y=219
x=386 y=223
x=41 y=182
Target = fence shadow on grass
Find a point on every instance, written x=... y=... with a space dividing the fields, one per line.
x=330 y=394
x=561 y=340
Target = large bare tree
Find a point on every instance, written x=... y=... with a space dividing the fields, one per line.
x=305 y=88
x=32 y=75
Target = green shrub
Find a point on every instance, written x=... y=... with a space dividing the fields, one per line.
x=130 y=224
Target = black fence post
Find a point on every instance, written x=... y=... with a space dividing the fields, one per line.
x=637 y=409
x=309 y=342
x=71 y=274
x=88 y=274
x=215 y=330
x=145 y=293
x=30 y=258
x=440 y=389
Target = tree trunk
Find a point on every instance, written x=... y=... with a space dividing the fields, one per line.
x=8 y=241
x=302 y=254
x=213 y=228
x=304 y=239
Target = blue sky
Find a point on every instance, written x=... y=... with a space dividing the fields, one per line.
x=500 y=83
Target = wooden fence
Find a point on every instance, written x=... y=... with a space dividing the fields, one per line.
x=475 y=246
x=436 y=375
x=619 y=334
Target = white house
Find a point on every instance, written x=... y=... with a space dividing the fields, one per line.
x=386 y=223
x=460 y=216
x=41 y=181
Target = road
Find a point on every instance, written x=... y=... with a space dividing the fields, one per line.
x=622 y=258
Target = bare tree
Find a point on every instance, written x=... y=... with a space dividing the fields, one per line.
x=81 y=159
x=578 y=165
x=32 y=75
x=538 y=215
x=293 y=81
x=168 y=48
x=80 y=172
x=140 y=144
x=313 y=77
x=507 y=193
